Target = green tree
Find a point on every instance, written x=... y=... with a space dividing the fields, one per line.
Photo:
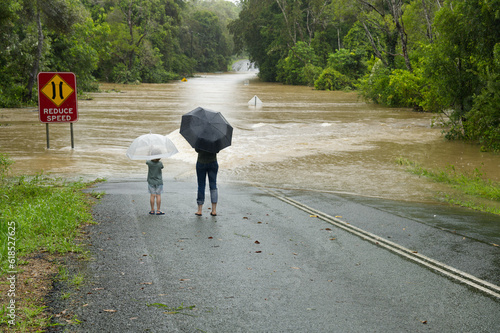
x=269 y=29
x=143 y=39
x=462 y=55
x=330 y=79
x=293 y=69
x=226 y=11
x=483 y=120
x=419 y=20
x=209 y=46
x=163 y=52
x=349 y=63
x=259 y=31
x=29 y=28
x=343 y=69
x=376 y=19
x=11 y=85
x=126 y=35
x=337 y=20
x=79 y=52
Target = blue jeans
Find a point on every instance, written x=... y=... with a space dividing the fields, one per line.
x=202 y=170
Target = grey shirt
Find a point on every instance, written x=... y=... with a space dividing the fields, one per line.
x=154 y=173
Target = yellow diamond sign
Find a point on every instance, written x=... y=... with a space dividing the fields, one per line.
x=57 y=90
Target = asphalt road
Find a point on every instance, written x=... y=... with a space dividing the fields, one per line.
x=266 y=264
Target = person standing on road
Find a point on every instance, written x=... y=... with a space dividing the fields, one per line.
x=207 y=165
x=155 y=185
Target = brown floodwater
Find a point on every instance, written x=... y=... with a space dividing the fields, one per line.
x=297 y=138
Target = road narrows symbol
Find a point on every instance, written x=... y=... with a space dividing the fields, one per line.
x=51 y=90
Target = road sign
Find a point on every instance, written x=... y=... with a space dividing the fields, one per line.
x=57 y=97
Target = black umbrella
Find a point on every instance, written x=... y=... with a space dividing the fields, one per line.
x=206 y=130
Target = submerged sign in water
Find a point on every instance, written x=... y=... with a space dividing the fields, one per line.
x=57 y=97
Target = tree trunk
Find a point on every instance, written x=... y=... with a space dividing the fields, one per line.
x=429 y=23
x=36 y=64
x=291 y=30
x=398 y=20
x=372 y=42
x=338 y=38
x=131 y=31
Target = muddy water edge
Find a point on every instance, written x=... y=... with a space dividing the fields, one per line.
x=298 y=138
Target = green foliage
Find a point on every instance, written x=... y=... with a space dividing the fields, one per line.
x=398 y=88
x=355 y=39
x=259 y=31
x=5 y=163
x=473 y=190
x=448 y=64
x=483 y=120
x=111 y=40
x=461 y=68
x=226 y=12
x=405 y=89
x=433 y=56
x=16 y=42
x=330 y=79
x=418 y=18
x=350 y=63
x=11 y=95
x=123 y=74
x=294 y=69
x=46 y=214
x=343 y=69
x=374 y=86
x=311 y=73
x=322 y=43
x=160 y=40
x=209 y=46
x=78 y=52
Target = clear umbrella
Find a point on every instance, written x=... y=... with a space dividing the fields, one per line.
x=151 y=146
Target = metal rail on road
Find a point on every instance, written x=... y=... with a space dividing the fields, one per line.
x=451 y=272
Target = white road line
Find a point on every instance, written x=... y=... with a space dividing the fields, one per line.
x=463 y=277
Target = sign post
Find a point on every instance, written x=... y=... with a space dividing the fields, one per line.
x=57 y=100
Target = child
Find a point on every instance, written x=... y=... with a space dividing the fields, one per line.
x=155 y=185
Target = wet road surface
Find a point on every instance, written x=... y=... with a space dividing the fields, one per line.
x=265 y=265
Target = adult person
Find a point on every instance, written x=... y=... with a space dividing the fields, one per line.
x=207 y=165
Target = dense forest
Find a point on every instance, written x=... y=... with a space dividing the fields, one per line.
x=438 y=56
x=124 y=41
x=431 y=55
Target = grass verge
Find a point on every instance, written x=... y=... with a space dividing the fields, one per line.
x=40 y=219
x=471 y=190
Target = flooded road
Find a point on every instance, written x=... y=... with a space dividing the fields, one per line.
x=298 y=138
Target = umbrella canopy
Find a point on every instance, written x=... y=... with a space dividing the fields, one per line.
x=206 y=130
x=150 y=147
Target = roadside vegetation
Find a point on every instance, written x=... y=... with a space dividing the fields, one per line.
x=40 y=219
x=472 y=190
